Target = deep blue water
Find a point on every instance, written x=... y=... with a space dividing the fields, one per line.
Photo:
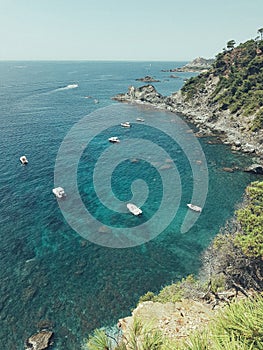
x=49 y=273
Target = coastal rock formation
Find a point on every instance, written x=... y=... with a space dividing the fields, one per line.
x=148 y=79
x=146 y=93
x=39 y=341
x=233 y=129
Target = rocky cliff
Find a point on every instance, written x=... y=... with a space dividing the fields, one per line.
x=227 y=100
x=210 y=121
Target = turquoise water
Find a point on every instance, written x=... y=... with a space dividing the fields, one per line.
x=49 y=273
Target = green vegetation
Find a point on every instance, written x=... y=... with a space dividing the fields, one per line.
x=230 y=44
x=139 y=336
x=236 y=327
x=250 y=236
x=99 y=341
x=236 y=255
x=185 y=288
x=240 y=85
x=195 y=85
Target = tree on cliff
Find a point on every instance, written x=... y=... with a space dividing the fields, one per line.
x=260 y=31
x=230 y=44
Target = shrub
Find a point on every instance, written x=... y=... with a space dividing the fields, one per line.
x=147 y=297
x=258 y=121
x=99 y=341
x=250 y=218
x=237 y=327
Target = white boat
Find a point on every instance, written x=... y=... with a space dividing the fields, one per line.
x=140 y=120
x=126 y=125
x=23 y=160
x=134 y=209
x=59 y=192
x=114 y=139
x=194 y=207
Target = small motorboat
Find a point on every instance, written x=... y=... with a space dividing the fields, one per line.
x=114 y=139
x=23 y=160
x=126 y=125
x=59 y=192
x=134 y=209
x=140 y=120
x=194 y=207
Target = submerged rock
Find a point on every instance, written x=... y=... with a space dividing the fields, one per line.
x=229 y=170
x=39 y=341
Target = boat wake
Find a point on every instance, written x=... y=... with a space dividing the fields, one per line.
x=68 y=87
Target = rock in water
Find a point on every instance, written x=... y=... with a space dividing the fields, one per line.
x=39 y=341
x=148 y=79
x=146 y=93
x=255 y=168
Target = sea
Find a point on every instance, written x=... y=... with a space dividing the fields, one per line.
x=76 y=264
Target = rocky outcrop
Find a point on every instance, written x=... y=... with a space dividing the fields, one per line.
x=148 y=79
x=255 y=169
x=178 y=319
x=39 y=341
x=144 y=94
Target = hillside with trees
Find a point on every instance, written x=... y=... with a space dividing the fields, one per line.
x=230 y=93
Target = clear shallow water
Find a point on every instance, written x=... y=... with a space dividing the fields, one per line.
x=49 y=273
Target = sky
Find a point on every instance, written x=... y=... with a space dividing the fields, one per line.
x=162 y=30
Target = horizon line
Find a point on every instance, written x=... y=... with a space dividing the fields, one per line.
x=93 y=60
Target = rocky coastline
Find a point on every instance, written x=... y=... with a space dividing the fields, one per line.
x=231 y=129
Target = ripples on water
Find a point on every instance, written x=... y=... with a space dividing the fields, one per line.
x=49 y=274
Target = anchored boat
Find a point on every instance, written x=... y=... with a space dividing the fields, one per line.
x=126 y=125
x=114 y=139
x=59 y=192
x=23 y=160
x=194 y=207
x=134 y=209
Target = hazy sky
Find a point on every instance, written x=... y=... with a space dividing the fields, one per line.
x=123 y=29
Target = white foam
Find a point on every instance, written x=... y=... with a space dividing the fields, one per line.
x=68 y=87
